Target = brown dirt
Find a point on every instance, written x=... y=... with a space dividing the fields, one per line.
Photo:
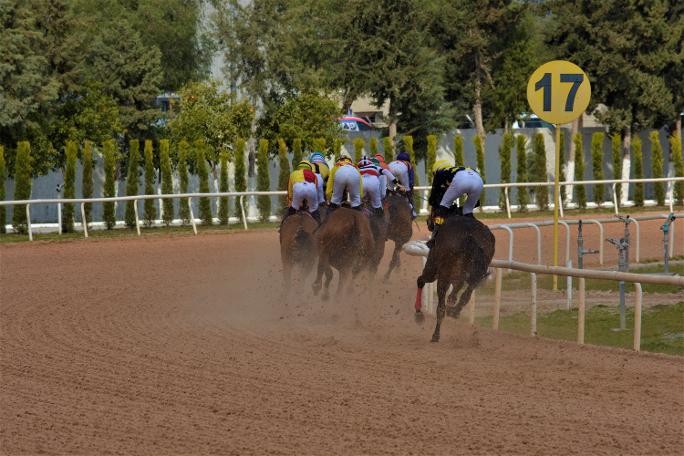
x=184 y=345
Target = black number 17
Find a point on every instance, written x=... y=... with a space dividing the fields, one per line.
x=545 y=84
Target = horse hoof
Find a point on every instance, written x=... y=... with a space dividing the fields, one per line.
x=419 y=317
x=435 y=338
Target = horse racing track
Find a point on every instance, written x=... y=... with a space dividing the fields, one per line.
x=184 y=345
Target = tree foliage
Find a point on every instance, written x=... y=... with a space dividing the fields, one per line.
x=183 y=154
x=359 y=145
x=223 y=182
x=87 y=178
x=459 y=160
x=284 y=174
x=638 y=161
x=505 y=152
x=657 y=167
x=480 y=158
x=580 y=190
x=521 y=170
x=132 y=181
x=109 y=157
x=676 y=153
x=69 y=185
x=22 y=185
x=388 y=149
x=150 y=208
x=431 y=156
x=263 y=180
x=240 y=170
x=203 y=177
x=166 y=171
x=616 y=154
x=541 y=194
x=597 y=164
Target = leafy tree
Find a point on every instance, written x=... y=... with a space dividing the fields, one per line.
x=183 y=154
x=284 y=176
x=541 y=194
x=296 y=152
x=150 y=209
x=3 y=176
x=505 y=152
x=109 y=155
x=373 y=146
x=388 y=149
x=240 y=170
x=223 y=206
x=521 y=171
x=431 y=155
x=359 y=144
x=637 y=159
x=657 y=167
x=263 y=180
x=69 y=186
x=87 y=178
x=676 y=152
x=580 y=191
x=480 y=157
x=597 y=164
x=166 y=180
x=616 y=153
x=22 y=185
x=319 y=145
x=408 y=148
x=203 y=175
x=132 y=181
x=458 y=151
x=337 y=148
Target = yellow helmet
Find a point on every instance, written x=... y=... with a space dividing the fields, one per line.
x=305 y=164
x=440 y=165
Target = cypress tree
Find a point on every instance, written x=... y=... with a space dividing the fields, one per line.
x=388 y=147
x=240 y=171
x=223 y=187
x=150 y=209
x=109 y=156
x=521 y=156
x=408 y=147
x=431 y=155
x=166 y=180
x=580 y=192
x=284 y=175
x=480 y=155
x=597 y=164
x=71 y=150
x=183 y=180
x=319 y=145
x=337 y=148
x=638 y=160
x=458 y=151
x=203 y=175
x=562 y=164
x=657 y=167
x=263 y=181
x=132 y=181
x=87 y=179
x=296 y=152
x=505 y=152
x=22 y=185
x=373 y=146
x=3 y=176
x=616 y=153
x=676 y=152
x=359 y=143
x=541 y=194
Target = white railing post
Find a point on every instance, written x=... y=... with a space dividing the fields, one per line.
x=637 y=254
x=59 y=218
x=580 y=312
x=28 y=221
x=568 y=288
x=192 y=216
x=536 y=228
x=637 y=318
x=471 y=309
x=510 y=242
x=533 y=316
x=508 y=202
x=83 y=220
x=601 y=240
x=497 y=298
x=615 y=199
x=672 y=239
x=242 y=210
x=137 y=221
x=567 y=239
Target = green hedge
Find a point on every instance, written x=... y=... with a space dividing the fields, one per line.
x=359 y=144
x=616 y=154
x=580 y=191
x=132 y=181
x=459 y=160
x=431 y=156
x=541 y=194
x=109 y=190
x=657 y=167
x=240 y=171
x=203 y=175
x=71 y=151
x=676 y=151
x=183 y=155
x=150 y=208
x=597 y=164
x=223 y=187
x=505 y=152
x=480 y=158
x=521 y=171
x=388 y=149
x=87 y=178
x=166 y=171
x=22 y=185
x=638 y=163
x=284 y=174
x=263 y=180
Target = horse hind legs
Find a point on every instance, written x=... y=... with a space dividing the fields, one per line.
x=442 y=288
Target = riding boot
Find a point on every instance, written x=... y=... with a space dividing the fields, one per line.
x=316 y=215
x=431 y=242
x=332 y=207
x=357 y=208
x=379 y=212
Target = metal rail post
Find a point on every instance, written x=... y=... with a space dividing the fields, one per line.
x=580 y=312
x=637 y=318
x=600 y=237
x=192 y=216
x=135 y=211
x=497 y=299
x=28 y=221
x=83 y=221
x=508 y=202
x=533 y=316
x=242 y=210
x=539 y=255
x=59 y=218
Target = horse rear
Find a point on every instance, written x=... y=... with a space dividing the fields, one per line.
x=400 y=227
x=297 y=245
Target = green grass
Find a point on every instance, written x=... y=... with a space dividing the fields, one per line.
x=662 y=327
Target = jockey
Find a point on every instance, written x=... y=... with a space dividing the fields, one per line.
x=370 y=179
x=403 y=171
x=344 y=176
x=385 y=174
x=303 y=187
x=321 y=169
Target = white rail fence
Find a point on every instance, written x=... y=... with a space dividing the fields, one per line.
x=241 y=195
x=418 y=248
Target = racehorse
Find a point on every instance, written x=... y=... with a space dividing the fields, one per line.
x=400 y=229
x=345 y=242
x=379 y=227
x=461 y=253
x=297 y=245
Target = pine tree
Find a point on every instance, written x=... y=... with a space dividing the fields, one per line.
x=69 y=185
x=240 y=171
x=458 y=151
x=150 y=209
x=87 y=179
x=166 y=180
x=109 y=156
x=657 y=167
x=284 y=175
x=638 y=160
x=223 y=187
x=373 y=146
x=183 y=180
x=132 y=181
x=3 y=175
x=431 y=155
x=521 y=157
x=203 y=175
x=580 y=191
x=263 y=181
x=676 y=152
x=22 y=185
x=597 y=164
x=616 y=154
x=359 y=144
x=541 y=194
x=296 y=152
x=505 y=152
x=480 y=155
x=337 y=148
x=388 y=149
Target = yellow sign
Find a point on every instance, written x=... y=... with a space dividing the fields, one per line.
x=558 y=91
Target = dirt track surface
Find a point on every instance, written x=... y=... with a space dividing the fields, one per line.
x=185 y=345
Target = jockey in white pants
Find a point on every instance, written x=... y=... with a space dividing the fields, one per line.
x=344 y=177
x=403 y=172
x=321 y=169
x=370 y=176
x=465 y=182
x=303 y=188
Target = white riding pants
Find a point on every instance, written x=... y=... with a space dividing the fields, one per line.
x=305 y=191
x=347 y=178
x=466 y=182
x=321 y=190
x=371 y=189
x=401 y=172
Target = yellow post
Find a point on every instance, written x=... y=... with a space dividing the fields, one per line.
x=556 y=204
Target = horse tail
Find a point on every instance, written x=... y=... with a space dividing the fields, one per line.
x=476 y=261
x=302 y=244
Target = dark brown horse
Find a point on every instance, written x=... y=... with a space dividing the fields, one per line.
x=379 y=226
x=400 y=229
x=345 y=242
x=297 y=245
x=462 y=252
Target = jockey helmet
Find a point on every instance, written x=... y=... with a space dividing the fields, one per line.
x=364 y=162
x=305 y=164
x=379 y=158
x=317 y=157
x=344 y=160
x=403 y=156
x=440 y=165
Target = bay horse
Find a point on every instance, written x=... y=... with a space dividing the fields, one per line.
x=297 y=245
x=345 y=242
x=462 y=251
x=400 y=229
x=379 y=227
